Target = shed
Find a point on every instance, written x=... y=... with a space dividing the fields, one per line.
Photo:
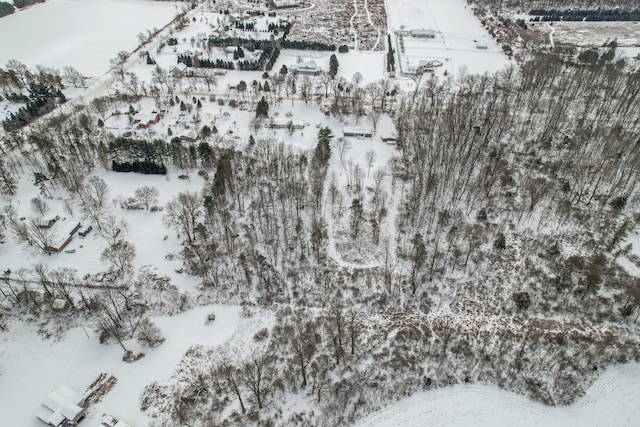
x=355 y=131
x=423 y=34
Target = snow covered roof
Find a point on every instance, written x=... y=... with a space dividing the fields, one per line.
x=305 y=66
x=69 y=228
x=62 y=403
x=285 y=3
x=422 y=33
x=356 y=131
x=145 y=117
x=180 y=67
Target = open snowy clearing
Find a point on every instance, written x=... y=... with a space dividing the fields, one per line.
x=613 y=400
x=31 y=367
x=457 y=32
x=84 y=33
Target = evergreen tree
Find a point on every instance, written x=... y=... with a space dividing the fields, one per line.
x=262 y=109
x=333 y=66
x=323 y=148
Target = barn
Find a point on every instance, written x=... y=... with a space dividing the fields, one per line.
x=60 y=406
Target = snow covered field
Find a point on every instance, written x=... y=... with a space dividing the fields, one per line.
x=613 y=400
x=82 y=33
x=457 y=34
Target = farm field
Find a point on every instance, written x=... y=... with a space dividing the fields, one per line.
x=613 y=400
x=626 y=34
x=84 y=34
x=457 y=32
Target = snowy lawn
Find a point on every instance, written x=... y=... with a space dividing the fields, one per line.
x=144 y=228
x=82 y=33
x=613 y=400
x=30 y=367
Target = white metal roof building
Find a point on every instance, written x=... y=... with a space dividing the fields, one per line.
x=60 y=405
x=309 y=67
x=285 y=3
x=356 y=131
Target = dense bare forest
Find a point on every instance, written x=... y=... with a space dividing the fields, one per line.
x=526 y=5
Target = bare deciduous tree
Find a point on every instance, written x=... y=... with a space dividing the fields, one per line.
x=183 y=213
x=147 y=195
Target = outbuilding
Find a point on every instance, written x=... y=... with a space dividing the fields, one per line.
x=358 y=132
x=305 y=67
x=61 y=406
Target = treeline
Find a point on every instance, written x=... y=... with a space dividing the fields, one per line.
x=137 y=153
x=6 y=9
x=41 y=100
x=147 y=168
x=24 y=3
x=267 y=59
x=524 y=5
x=306 y=45
x=283 y=43
x=194 y=61
x=276 y=28
x=391 y=59
x=249 y=26
x=584 y=15
x=248 y=44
